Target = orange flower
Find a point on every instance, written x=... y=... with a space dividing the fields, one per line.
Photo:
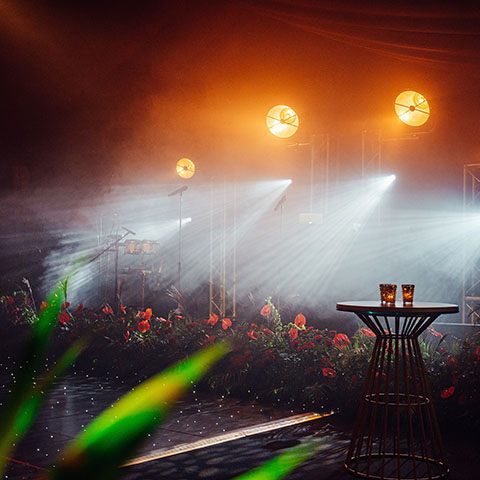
x=447 y=393
x=252 y=334
x=367 y=332
x=107 y=310
x=144 y=326
x=341 y=341
x=213 y=319
x=265 y=311
x=300 y=321
x=293 y=333
x=329 y=372
x=148 y=314
x=226 y=323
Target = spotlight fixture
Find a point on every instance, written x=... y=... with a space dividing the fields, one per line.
x=185 y=168
x=412 y=108
x=282 y=121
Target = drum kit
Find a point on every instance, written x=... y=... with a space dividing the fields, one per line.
x=141 y=251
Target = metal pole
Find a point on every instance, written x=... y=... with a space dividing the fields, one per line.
x=234 y=256
x=312 y=157
x=180 y=243
x=210 y=289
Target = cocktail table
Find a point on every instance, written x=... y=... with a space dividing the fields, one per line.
x=396 y=435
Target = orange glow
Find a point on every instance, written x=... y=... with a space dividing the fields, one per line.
x=282 y=121
x=185 y=168
x=412 y=108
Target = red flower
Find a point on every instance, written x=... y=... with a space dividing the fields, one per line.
x=341 y=341
x=318 y=338
x=65 y=305
x=43 y=305
x=166 y=322
x=123 y=309
x=452 y=361
x=143 y=326
x=64 y=317
x=326 y=361
x=209 y=340
x=307 y=346
x=107 y=310
x=367 y=332
x=226 y=323
x=300 y=321
x=126 y=336
x=476 y=354
x=329 y=372
x=448 y=392
x=435 y=333
x=10 y=300
x=252 y=334
x=265 y=311
x=213 y=319
x=267 y=331
x=293 y=333
x=79 y=308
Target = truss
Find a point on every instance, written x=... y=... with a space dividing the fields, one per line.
x=471 y=273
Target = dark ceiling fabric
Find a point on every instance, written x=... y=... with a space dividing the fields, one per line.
x=439 y=33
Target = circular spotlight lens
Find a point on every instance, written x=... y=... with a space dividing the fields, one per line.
x=185 y=168
x=282 y=121
x=412 y=108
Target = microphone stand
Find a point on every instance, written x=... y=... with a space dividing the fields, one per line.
x=113 y=244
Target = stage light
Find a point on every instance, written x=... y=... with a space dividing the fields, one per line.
x=282 y=121
x=186 y=220
x=185 y=168
x=385 y=182
x=412 y=108
x=289 y=181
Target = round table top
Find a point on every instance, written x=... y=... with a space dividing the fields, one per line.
x=372 y=306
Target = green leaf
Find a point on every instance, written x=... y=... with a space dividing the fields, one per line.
x=112 y=437
x=22 y=415
x=280 y=466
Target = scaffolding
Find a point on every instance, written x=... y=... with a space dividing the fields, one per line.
x=471 y=269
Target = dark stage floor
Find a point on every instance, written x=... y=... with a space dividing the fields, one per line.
x=76 y=400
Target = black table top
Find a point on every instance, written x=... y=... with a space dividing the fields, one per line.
x=372 y=306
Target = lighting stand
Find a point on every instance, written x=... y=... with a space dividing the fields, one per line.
x=179 y=192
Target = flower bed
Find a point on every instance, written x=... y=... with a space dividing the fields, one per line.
x=274 y=359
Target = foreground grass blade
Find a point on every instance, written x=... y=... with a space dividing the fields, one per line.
x=32 y=405
x=14 y=419
x=112 y=437
x=280 y=466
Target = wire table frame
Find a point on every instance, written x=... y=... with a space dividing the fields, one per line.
x=396 y=435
